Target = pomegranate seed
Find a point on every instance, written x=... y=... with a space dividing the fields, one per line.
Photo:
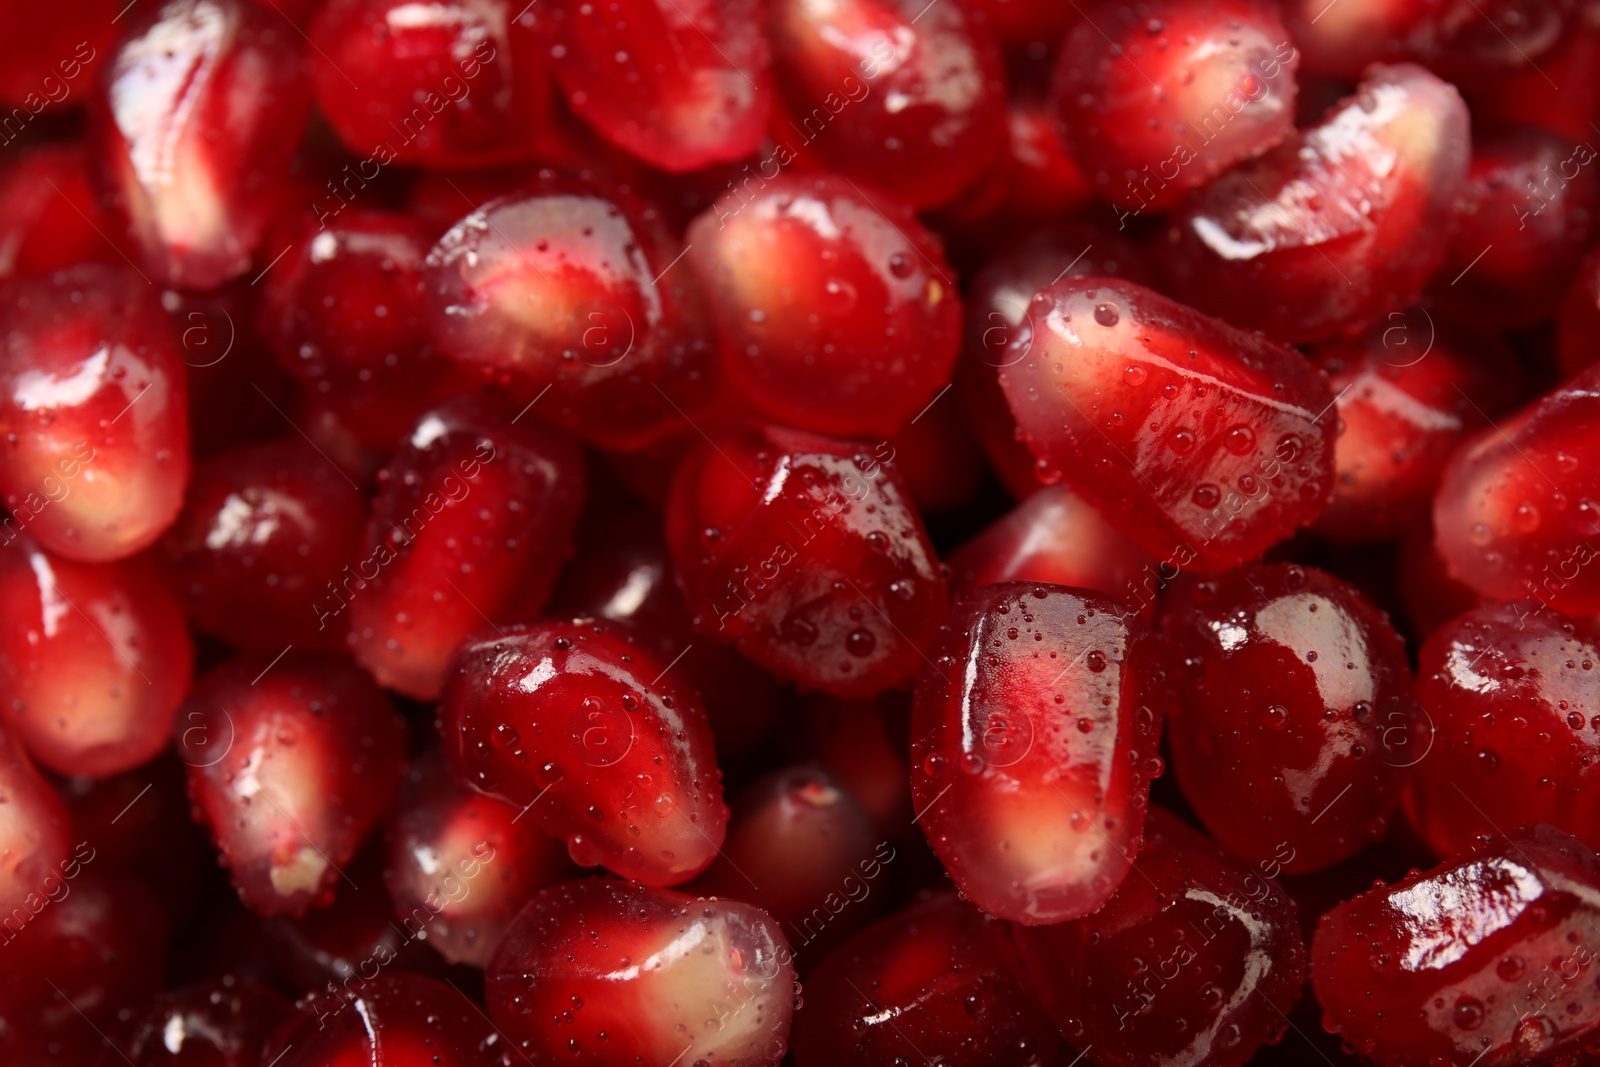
x=50 y=215
x=34 y=839
x=290 y=763
x=608 y=972
x=266 y=529
x=48 y=62
x=1503 y=527
x=1034 y=740
x=221 y=1023
x=343 y=314
x=459 y=867
x=474 y=514
x=1296 y=717
x=92 y=411
x=570 y=287
x=393 y=1018
x=193 y=129
x=1559 y=93
x=835 y=314
x=906 y=97
x=939 y=459
x=1337 y=225
x=1473 y=955
x=581 y=724
x=1510 y=692
x=1578 y=321
x=928 y=985
x=1195 y=960
x=1161 y=97
x=1202 y=442
x=1456 y=37
x=805 y=553
x=94 y=660
x=862 y=743
x=461 y=83
x=679 y=87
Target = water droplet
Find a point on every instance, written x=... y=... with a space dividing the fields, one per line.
x=1107 y=315
x=1134 y=374
x=1095 y=661
x=1181 y=442
x=1468 y=1013
x=1277 y=717
x=1239 y=440
x=1206 y=495
x=860 y=643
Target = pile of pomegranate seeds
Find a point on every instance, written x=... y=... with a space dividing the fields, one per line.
x=835 y=533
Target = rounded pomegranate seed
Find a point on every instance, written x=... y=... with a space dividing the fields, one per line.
x=1514 y=699
x=392 y=1018
x=92 y=413
x=290 y=763
x=569 y=287
x=1480 y=956
x=266 y=530
x=908 y=98
x=343 y=314
x=1296 y=717
x=1559 y=93
x=194 y=127
x=49 y=62
x=1202 y=442
x=221 y=1023
x=1160 y=97
x=862 y=743
x=584 y=728
x=1339 y=224
x=94 y=660
x=474 y=516
x=1034 y=737
x=928 y=985
x=460 y=867
x=1195 y=960
x=462 y=83
x=610 y=972
x=34 y=839
x=804 y=552
x=835 y=314
x=50 y=216
x=1504 y=527
x=1456 y=37
x=679 y=87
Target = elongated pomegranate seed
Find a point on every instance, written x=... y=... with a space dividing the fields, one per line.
x=94 y=660
x=290 y=763
x=194 y=127
x=805 y=553
x=588 y=732
x=1034 y=737
x=1203 y=443
x=92 y=413
x=1483 y=956
x=1297 y=713
x=1339 y=224
x=929 y=984
x=474 y=514
x=1195 y=960
x=836 y=314
x=610 y=972
x=392 y=1018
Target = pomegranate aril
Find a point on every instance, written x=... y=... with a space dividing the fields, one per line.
x=290 y=761
x=928 y=985
x=805 y=553
x=460 y=867
x=907 y=98
x=50 y=216
x=586 y=731
x=94 y=660
x=220 y=1023
x=1514 y=700
x=466 y=84
x=862 y=744
x=392 y=1019
x=1196 y=959
x=836 y=313
x=1479 y=957
x=1162 y=96
x=35 y=839
x=1034 y=739
x=1578 y=319
x=49 y=62
x=1338 y=225
x=1456 y=37
x=1202 y=442
x=1296 y=716
x=474 y=516
x=1560 y=93
x=93 y=413
x=343 y=314
x=939 y=459
x=606 y=972
x=1504 y=527
x=193 y=128
x=265 y=530
x=679 y=87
